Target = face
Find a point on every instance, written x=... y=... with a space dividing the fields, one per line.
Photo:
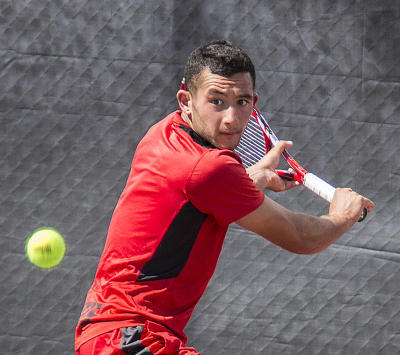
x=220 y=107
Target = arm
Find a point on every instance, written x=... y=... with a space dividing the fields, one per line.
x=299 y=232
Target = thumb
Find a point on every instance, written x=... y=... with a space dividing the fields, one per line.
x=281 y=146
x=271 y=159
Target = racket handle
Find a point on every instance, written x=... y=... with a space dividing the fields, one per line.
x=319 y=186
x=324 y=190
x=363 y=215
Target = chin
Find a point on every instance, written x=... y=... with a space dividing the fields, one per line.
x=226 y=141
x=227 y=146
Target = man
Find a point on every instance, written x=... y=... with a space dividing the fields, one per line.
x=184 y=189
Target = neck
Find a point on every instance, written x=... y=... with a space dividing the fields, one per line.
x=187 y=119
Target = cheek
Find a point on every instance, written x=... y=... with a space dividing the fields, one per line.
x=207 y=119
x=209 y=128
x=242 y=119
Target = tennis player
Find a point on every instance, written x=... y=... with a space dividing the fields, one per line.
x=186 y=186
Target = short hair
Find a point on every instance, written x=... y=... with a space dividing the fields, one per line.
x=222 y=58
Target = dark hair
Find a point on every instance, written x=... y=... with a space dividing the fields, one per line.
x=222 y=58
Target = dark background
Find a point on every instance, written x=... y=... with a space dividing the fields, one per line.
x=82 y=81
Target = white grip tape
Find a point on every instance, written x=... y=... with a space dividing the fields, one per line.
x=319 y=186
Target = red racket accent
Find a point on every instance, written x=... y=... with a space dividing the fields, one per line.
x=257 y=140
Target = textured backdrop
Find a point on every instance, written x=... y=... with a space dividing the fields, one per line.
x=82 y=81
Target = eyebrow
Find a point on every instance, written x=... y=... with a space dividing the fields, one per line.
x=217 y=92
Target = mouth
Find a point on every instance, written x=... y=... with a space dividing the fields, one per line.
x=229 y=134
x=229 y=140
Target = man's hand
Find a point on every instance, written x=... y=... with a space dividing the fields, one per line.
x=263 y=173
x=348 y=204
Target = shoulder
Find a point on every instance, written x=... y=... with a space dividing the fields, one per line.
x=176 y=135
x=216 y=161
x=219 y=185
x=218 y=169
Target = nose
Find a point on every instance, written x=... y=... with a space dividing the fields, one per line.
x=230 y=116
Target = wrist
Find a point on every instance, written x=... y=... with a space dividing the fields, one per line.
x=341 y=222
x=257 y=176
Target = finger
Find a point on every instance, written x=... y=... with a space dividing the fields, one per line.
x=369 y=205
x=272 y=157
x=290 y=184
x=282 y=145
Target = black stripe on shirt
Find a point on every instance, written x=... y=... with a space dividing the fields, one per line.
x=130 y=341
x=175 y=247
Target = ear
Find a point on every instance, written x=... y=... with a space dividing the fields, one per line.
x=185 y=102
x=255 y=99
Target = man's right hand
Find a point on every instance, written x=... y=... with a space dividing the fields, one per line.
x=349 y=205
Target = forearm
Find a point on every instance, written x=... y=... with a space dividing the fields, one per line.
x=296 y=232
x=314 y=234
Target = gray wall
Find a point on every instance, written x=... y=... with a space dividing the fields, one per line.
x=81 y=82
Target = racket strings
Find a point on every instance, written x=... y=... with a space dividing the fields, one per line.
x=252 y=145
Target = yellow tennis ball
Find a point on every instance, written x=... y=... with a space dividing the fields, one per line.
x=45 y=248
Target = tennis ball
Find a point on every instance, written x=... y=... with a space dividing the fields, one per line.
x=45 y=248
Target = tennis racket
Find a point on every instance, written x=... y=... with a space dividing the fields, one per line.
x=258 y=138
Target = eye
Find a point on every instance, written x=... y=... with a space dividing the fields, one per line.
x=243 y=102
x=216 y=102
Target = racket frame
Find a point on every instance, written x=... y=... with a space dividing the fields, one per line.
x=309 y=180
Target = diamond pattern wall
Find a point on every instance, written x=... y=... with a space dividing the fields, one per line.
x=81 y=81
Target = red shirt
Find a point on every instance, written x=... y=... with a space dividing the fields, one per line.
x=166 y=232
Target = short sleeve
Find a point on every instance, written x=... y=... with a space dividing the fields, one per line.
x=220 y=186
